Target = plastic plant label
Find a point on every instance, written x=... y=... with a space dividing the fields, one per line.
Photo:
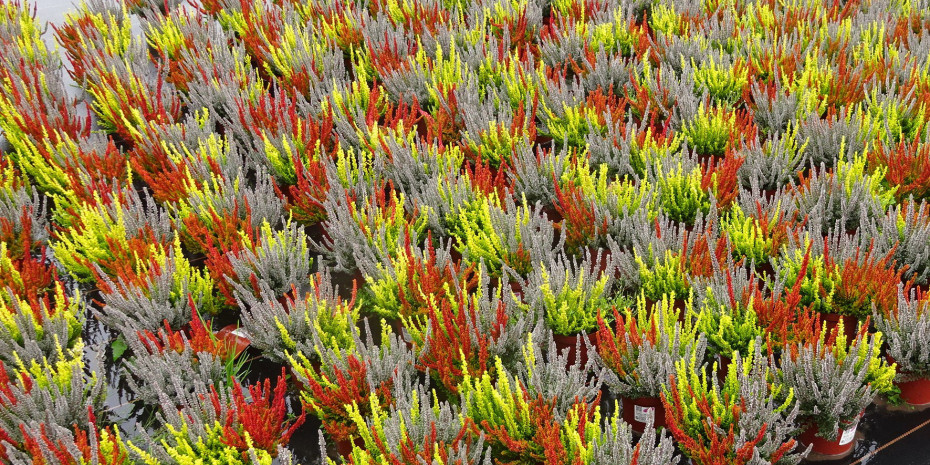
x=848 y=435
x=644 y=414
x=240 y=332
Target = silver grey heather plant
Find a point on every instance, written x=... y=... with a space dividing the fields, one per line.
x=907 y=335
x=280 y=259
x=315 y=316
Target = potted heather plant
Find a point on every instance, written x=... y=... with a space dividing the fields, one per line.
x=278 y=258
x=906 y=328
x=509 y=234
x=343 y=378
x=755 y=238
x=640 y=351
x=682 y=196
x=417 y=428
x=746 y=418
x=572 y=298
x=834 y=380
x=277 y=325
x=400 y=288
x=520 y=427
x=730 y=326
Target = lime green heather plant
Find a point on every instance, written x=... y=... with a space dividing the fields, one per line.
x=615 y=195
x=417 y=426
x=499 y=235
x=116 y=236
x=571 y=295
x=46 y=324
x=663 y=277
x=681 y=195
x=572 y=124
x=209 y=449
x=524 y=428
x=573 y=306
x=724 y=84
x=710 y=131
x=748 y=237
x=729 y=326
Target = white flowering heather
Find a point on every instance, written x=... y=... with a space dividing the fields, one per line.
x=545 y=372
x=615 y=446
x=314 y=316
x=23 y=204
x=907 y=334
x=164 y=294
x=279 y=259
x=905 y=229
x=58 y=394
x=174 y=371
x=834 y=383
x=536 y=172
x=417 y=419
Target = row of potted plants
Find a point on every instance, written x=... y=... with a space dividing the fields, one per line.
x=462 y=228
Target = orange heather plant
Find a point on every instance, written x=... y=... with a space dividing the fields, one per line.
x=462 y=327
x=198 y=338
x=102 y=446
x=257 y=419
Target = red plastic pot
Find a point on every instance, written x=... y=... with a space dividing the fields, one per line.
x=600 y=258
x=850 y=324
x=637 y=412
x=723 y=365
x=915 y=393
x=841 y=447
x=567 y=343
x=344 y=447
x=234 y=338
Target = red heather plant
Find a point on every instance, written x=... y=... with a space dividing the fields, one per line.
x=258 y=418
x=444 y=123
x=721 y=178
x=17 y=234
x=869 y=283
x=93 y=445
x=579 y=224
x=907 y=167
x=329 y=392
x=31 y=278
x=458 y=337
x=226 y=233
x=490 y=181
x=198 y=337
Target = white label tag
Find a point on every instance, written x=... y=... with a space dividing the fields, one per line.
x=848 y=435
x=644 y=414
x=240 y=332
